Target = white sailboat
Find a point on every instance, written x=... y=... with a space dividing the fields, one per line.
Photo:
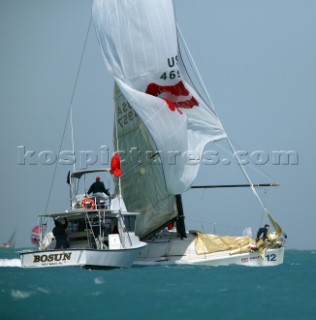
x=101 y=233
x=10 y=243
x=160 y=120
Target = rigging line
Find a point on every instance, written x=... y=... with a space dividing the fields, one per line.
x=195 y=68
x=249 y=165
x=187 y=72
x=68 y=114
x=252 y=167
x=247 y=176
x=198 y=75
x=252 y=186
x=72 y=138
x=117 y=140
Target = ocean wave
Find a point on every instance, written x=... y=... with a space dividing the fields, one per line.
x=98 y=280
x=10 y=263
x=42 y=290
x=18 y=294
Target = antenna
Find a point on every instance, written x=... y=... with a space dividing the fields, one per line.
x=69 y=114
x=117 y=144
x=72 y=138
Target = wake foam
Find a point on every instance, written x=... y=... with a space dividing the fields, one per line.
x=10 y=263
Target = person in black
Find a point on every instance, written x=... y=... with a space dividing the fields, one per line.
x=60 y=234
x=262 y=233
x=98 y=187
x=99 y=191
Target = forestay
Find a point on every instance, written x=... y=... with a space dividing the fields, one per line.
x=140 y=47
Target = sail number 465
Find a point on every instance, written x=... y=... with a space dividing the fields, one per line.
x=170 y=75
x=271 y=257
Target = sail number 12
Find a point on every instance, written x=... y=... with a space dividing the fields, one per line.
x=271 y=257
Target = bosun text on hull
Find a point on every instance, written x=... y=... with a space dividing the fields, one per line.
x=52 y=257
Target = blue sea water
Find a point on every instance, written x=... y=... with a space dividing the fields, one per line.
x=178 y=292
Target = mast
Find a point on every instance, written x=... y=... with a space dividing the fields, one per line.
x=180 y=220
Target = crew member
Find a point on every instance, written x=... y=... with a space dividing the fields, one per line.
x=262 y=233
x=60 y=234
x=99 y=191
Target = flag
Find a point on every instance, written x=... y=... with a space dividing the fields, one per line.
x=171 y=226
x=35 y=236
x=116 y=165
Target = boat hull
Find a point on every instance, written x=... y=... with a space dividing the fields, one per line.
x=182 y=251
x=80 y=257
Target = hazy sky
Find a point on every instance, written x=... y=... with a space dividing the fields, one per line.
x=258 y=61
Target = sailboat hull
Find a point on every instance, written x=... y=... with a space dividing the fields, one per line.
x=80 y=257
x=168 y=251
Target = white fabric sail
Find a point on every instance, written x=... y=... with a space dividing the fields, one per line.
x=140 y=47
x=143 y=184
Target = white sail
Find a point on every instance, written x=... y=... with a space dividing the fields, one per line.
x=160 y=118
x=10 y=243
x=143 y=183
x=140 y=47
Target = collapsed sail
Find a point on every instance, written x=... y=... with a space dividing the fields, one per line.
x=140 y=48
